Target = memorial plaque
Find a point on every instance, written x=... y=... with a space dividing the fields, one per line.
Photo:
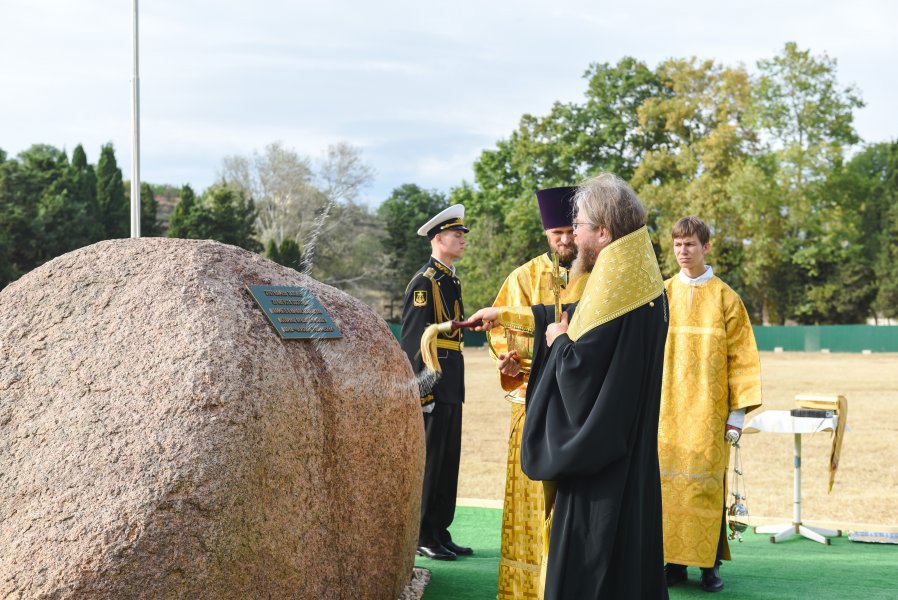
x=294 y=311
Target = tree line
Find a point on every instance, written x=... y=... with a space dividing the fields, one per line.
x=50 y=205
x=802 y=228
x=302 y=214
x=804 y=215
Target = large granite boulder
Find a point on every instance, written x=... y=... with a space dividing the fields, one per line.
x=159 y=440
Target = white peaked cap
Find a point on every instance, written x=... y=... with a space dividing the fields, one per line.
x=450 y=218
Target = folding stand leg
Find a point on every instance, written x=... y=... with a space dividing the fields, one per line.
x=812 y=535
x=784 y=532
x=780 y=532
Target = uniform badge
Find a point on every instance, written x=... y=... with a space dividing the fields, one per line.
x=420 y=298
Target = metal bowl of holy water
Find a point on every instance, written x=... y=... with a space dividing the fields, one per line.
x=520 y=342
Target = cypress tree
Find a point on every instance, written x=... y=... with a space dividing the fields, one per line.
x=290 y=254
x=178 y=225
x=111 y=202
x=84 y=184
x=149 y=225
x=271 y=251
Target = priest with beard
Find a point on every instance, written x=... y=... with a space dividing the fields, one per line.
x=592 y=405
x=543 y=279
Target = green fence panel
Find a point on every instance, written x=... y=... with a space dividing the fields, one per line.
x=473 y=339
x=835 y=338
x=798 y=338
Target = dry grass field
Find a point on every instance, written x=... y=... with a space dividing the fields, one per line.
x=867 y=479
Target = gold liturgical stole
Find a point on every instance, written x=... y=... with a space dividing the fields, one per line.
x=625 y=276
x=839 y=404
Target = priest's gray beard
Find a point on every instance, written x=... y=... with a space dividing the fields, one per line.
x=585 y=261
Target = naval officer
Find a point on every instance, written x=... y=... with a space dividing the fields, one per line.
x=434 y=296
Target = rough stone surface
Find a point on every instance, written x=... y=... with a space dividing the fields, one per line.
x=159 y=440
x=416 y=585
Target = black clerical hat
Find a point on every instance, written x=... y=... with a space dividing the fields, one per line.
x=556 y=206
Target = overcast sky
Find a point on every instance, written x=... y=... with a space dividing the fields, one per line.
x=421 y=87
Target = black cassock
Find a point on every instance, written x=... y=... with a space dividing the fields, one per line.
x=592 y=426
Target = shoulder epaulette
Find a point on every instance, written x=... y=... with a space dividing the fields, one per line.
x=428 y=272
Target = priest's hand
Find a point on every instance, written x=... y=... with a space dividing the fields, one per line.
x=556 y=329
x=489 y=316
x=509 y=365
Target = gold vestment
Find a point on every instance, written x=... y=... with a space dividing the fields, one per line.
x=524 y=504
x=711 y=367
x=625 y=277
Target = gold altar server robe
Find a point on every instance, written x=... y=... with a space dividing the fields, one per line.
x=711 y=367
x=524 y=504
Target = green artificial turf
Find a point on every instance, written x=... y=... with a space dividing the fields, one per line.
x=794 y=569
x=468 y=577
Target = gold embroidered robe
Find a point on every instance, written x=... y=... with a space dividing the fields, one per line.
x=524 y=504
x=711 y=367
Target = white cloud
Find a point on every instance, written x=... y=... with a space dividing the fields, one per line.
x=443 y=168
x=422 y=87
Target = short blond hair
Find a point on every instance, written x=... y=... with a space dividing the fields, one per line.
x=607 y=201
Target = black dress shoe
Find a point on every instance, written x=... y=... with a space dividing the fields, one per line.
x=675 y=574
x=460 y=550
x=436 y=552
x=711 y=581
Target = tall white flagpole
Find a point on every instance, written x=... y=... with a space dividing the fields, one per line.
x=135 y=132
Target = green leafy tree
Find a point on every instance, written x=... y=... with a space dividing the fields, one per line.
x=113 y=206
x=886 y=266
x=754 y=196
x=222 y=213
x=407 y=208
x=47 y=207
x=573 y=141
x=66 y=219
x=84 y=181
x=497 y=244
x=43 y=206
x=271 y=251
x=805 y=117
x=10 y=220
x=867 y=187
x=227 y=215
x=576 y=140
x=289 y=254
x=149 y=223
x=886 y=303
x=698 y=121
x=838 y=285
x=806 y=114
x=178 y=223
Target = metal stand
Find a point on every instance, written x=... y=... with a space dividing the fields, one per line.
x=784 y=532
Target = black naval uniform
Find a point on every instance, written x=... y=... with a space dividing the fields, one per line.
x=434 y=296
